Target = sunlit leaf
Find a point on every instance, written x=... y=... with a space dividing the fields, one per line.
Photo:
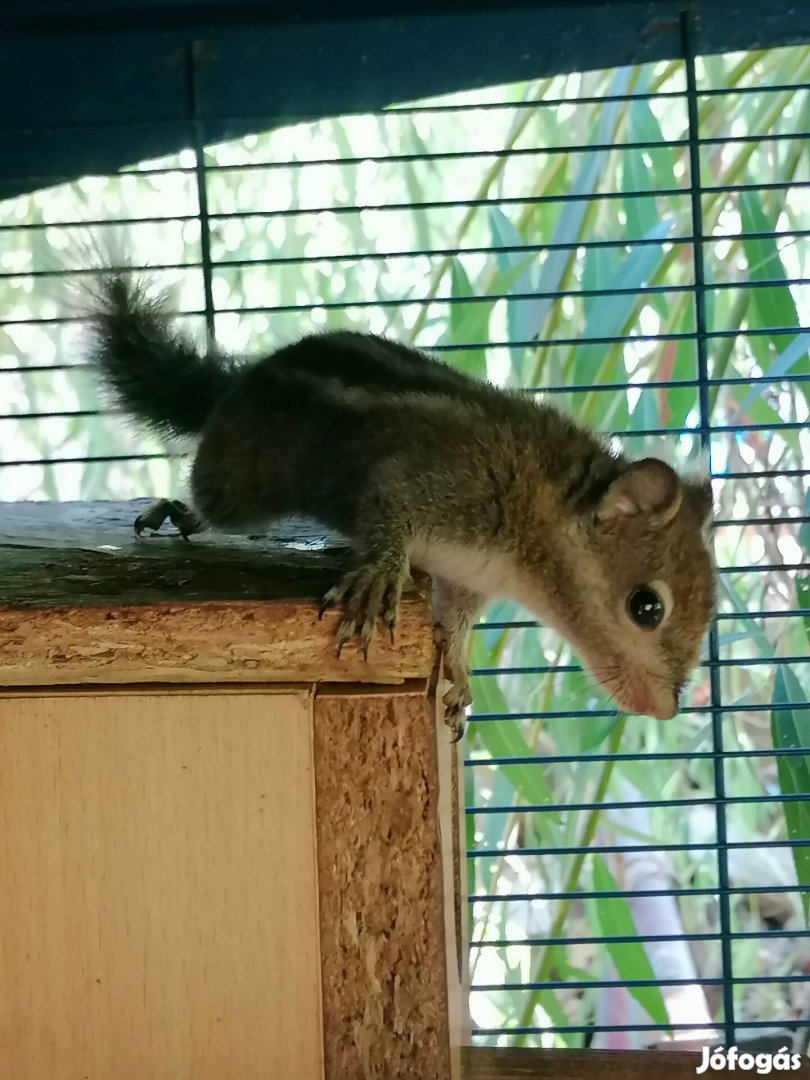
x=790 y=357
x=610 y=315
x=790 y=730
x=505 y=739
x=773 y=306
x=614 y=919
x=804 y=528
x=469 y=322
x=522 y=315
x=803 y=600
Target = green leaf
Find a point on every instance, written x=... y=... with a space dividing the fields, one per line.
x=802 y=584
x=601 y=264
x=572 y=212
x=790 y=730
x=645 y=414
x=741 y=607
x=787 y=359
x=547 y=1000
x=610 y=315
x=771 y=306
x=775 y=305
x=523 y=317
x=469 y=321
x=469 y=833
x=614 y=918
x=804 y=528
x=506 y=740
x=593 y=732
x=636 y=176
x=803 y=598
x=644 y=127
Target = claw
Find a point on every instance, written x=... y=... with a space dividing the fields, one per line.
x=454 y=719
x=330 y=597
x=360 y=594
x=457 y=732
x=345 y=631
x=367 y=636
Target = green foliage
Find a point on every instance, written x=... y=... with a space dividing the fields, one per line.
x=468 y=322
x=613 y=917
x=790 y=730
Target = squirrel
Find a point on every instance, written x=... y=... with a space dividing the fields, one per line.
x=491 y=492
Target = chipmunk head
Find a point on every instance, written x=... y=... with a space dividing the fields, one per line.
x=645 y=585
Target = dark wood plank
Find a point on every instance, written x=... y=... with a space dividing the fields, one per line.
x=85 y=553
x=485 y=1063
x=83 y=601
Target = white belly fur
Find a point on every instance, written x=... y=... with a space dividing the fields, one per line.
x=491 y=574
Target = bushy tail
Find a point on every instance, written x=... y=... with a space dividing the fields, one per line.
x=152 y=371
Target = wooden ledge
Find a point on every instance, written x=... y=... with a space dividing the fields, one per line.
x=83 y=600
x=486 y=1063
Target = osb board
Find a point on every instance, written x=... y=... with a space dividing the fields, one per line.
x=450 y=759
x=485 y=1063
x=158 y=904
x=385 y=999
x=82 y=600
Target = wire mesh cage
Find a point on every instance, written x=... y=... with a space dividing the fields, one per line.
x=631 y=242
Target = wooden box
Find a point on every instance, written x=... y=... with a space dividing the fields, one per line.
x=225 y=852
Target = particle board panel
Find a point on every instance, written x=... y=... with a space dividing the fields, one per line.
x=158 y=897
x=384 y=950
x=238 y=642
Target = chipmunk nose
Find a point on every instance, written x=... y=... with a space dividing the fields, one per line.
x=645 y=702
x=664 y=712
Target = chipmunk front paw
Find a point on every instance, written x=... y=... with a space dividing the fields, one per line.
x=365 y=595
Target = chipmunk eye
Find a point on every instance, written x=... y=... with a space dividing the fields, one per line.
x=645 y=607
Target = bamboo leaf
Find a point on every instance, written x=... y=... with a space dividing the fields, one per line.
x=559 y=1018
x=614 y=919
x=609 y=315
x=644 y=127
x=798 y=348
x=803 y=600
x=803 y=583
x=804 y=529
x=636 y=176
x=506 y=740
x=522 y=316
x=790 y=730
x=469 y=836
x=572 y=212
x=469 y=321
x=592 y=733
x=601 y=264
x=772 y=306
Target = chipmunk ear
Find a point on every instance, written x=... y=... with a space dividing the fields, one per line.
x=698 y=492
x=648 y=488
